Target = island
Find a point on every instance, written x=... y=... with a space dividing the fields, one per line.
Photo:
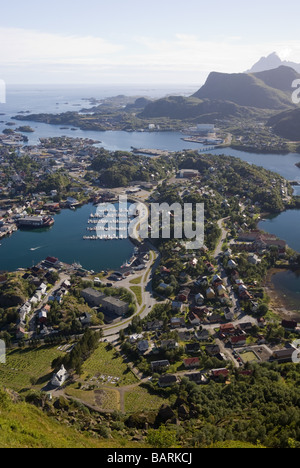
x=25 y=129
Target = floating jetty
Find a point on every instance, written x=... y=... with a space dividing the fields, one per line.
x=99 y=223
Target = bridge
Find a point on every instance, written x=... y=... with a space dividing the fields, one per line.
x=207 y=149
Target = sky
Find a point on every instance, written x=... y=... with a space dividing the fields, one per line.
x=139 y=41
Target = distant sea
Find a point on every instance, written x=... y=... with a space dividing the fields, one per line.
x=63 y=98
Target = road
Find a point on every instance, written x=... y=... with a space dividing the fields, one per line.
x=148 y=300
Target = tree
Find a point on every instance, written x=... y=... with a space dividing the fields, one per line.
x=162 y=438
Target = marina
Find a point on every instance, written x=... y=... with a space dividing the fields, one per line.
x=109 y=225
x=64 y=240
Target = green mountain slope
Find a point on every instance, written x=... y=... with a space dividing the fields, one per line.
x=281 y=78
x=230 y=95
x=287 y=124
x=249 y=89
x=22 y=425
x=189 y=108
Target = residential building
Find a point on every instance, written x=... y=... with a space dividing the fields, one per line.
x=192 y=348
x=191 y=363
x=197 y=378
x=167 y=380
x=115 y=305
x=143 y=346
x=159 y=365
x=92 y=297
x=216 y=373
x=177 y=322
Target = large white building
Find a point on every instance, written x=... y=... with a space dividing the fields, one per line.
x=206 y=128
x=59 y=379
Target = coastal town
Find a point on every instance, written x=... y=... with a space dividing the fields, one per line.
x=169 y=314
x=149 y=228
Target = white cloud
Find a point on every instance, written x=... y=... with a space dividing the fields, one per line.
x=34 y=56
x=28 y=47
x=230 y=54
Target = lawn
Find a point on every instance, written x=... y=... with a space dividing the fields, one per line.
x=107 y=367
x=22 y=366
x=140 y=399
x=137 y=290
x=136 y=280
x=249 y=356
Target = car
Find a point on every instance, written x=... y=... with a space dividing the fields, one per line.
x=109 y=285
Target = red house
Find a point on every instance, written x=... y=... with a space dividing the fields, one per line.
x=238 y=340
x=191 y=363
x=220 y=373
x=183 y=295
x=227 y=329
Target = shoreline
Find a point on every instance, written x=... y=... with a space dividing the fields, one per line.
x=278 y=302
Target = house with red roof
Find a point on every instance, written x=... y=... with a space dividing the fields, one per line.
x=215 y=373
x=191 y=363
x=238 y=340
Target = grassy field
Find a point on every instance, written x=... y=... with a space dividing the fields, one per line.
x=105 y=399
x=136 y=280
x=137 y=290
x=140 y=399
x=105 y=366
x=24 y=366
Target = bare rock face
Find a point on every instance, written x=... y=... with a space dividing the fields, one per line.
x=166 y=413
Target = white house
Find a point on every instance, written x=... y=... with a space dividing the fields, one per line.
x=135 y=338
x=210 y=294
x=36 y=298
x=43 y=288
x=221 y=290
x=217 y=279
x=59 y=379
x=199 y=299
x=253 y=259
x=24 y=310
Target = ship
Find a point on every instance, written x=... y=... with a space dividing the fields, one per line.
x=35 y=222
